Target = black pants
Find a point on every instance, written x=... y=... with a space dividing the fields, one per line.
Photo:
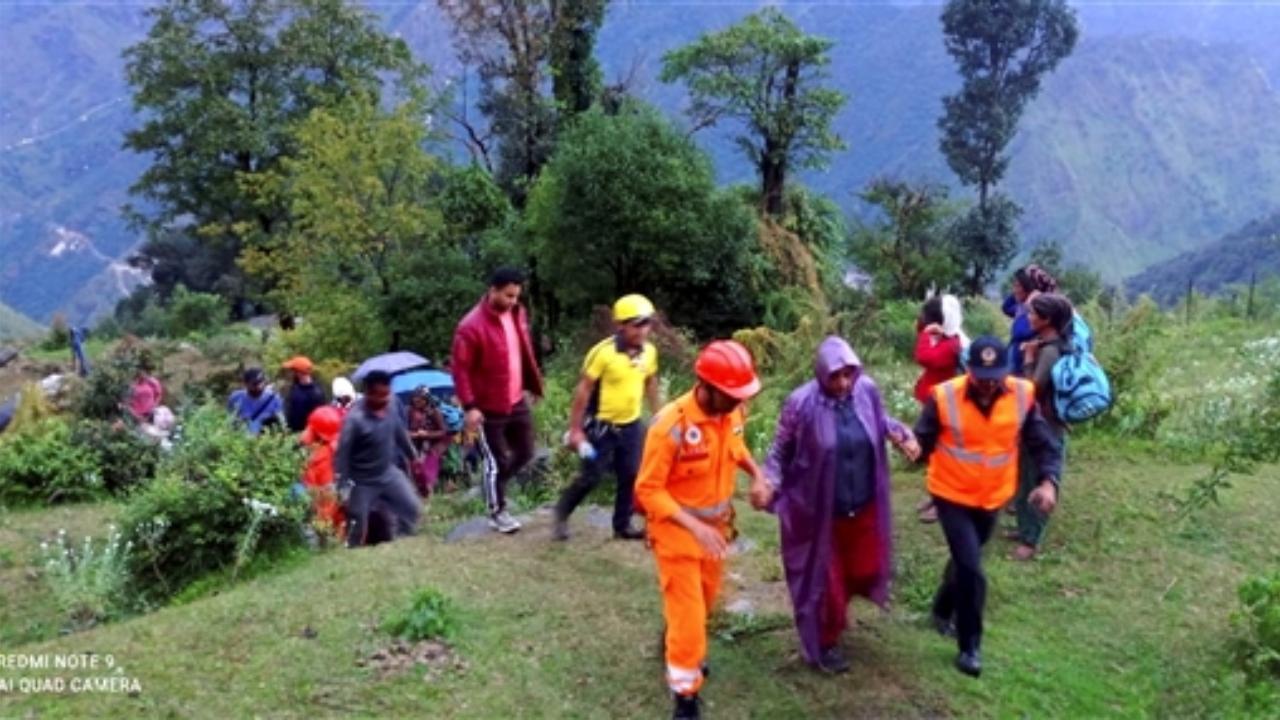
x=394 y=493
x=619 y=446
x=964 y=586
x=509 y=442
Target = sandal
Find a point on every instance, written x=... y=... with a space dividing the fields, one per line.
x=1023 y=553
x=929 y=515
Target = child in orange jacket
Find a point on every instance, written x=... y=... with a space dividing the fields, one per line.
x=321 y=436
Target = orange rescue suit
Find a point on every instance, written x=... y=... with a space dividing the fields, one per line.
x=690 y=462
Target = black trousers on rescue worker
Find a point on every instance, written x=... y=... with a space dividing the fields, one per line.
x=963 y=593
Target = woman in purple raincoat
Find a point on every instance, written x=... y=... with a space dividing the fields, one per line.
x=828 y=475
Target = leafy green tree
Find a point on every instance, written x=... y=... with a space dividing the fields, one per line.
x=767 y=74
x=575 y=74
x=628 y=204
x=1003 y=48
x=361 y=195
x=508 y=43
x=220 y=86
x=474 y=208
x=194 y=312
x=910 y=249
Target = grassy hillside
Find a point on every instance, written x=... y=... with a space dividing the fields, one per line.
x=1126 y=613
x=15 y=326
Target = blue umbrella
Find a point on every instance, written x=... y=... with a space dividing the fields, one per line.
x=391 y=363
x=439 y=383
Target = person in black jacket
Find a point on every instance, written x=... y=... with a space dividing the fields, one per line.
x=304 y=396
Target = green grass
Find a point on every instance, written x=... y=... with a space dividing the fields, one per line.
x=1125 y=615
x=16 y=326
x=27 y=613
x=94 y=348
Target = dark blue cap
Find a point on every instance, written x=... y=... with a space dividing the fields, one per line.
x=988 y=358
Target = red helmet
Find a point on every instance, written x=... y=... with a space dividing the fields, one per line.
x=323 y=424
x=728 y=366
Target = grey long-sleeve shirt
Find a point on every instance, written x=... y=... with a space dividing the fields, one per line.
x=370 y=444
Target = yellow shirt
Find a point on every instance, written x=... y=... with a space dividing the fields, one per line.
x=621 y=379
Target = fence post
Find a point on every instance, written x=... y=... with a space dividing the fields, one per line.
x=1253 y=283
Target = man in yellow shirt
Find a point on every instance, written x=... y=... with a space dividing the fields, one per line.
x=692 y=455
x=605 y=421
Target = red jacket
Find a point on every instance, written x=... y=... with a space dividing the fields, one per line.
x=480 y=375
x=941 y=362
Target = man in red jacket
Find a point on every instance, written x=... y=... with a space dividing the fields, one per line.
x=493 y=369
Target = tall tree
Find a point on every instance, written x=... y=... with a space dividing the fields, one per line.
x=910 y=249
x=1003 y=49
x=508 y=42
x=767 y=74
x=220 y=86
x=360 y=194
x=628 y=204
x=575 y=74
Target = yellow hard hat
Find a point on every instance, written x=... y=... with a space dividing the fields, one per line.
x=632 y=307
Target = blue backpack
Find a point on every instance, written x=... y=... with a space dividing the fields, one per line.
x=1081 y=390
x=453 y=417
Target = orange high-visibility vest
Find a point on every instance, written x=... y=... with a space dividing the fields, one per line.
x=975 y=462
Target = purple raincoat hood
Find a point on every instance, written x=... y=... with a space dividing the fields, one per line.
x=802 y=464
x=834 y=354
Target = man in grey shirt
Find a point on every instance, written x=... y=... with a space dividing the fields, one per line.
x=373 y=438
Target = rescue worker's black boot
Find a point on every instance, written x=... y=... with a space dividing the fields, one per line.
x=969 y=663
x=687 y=708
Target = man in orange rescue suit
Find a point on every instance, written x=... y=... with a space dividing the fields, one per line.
x=970 y=432
x=692 y=453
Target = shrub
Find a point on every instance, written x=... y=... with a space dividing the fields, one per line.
x=123 y=457
x=1125 y=349
x=430 y=616
x=203 y=513
x=33 y=407
x=106 y=387
x=90 y=584
x=59 y=337
x=41 y=463
x=193 y=313
x=982 y=317
x=1258 y=644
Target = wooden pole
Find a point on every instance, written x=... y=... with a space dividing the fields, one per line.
x=1190 y=289
x=1253 y=284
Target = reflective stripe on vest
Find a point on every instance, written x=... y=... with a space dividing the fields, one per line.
x=957 y=432
x=975 y=459
x=712 y=512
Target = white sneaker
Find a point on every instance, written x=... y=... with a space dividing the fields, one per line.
x=504 y=523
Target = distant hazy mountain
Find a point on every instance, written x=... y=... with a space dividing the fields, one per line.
x=1232 y=260
x=1156 y=136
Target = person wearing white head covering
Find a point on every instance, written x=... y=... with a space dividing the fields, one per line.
x=953 y=322
x=344 y=393
x=941 y=346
